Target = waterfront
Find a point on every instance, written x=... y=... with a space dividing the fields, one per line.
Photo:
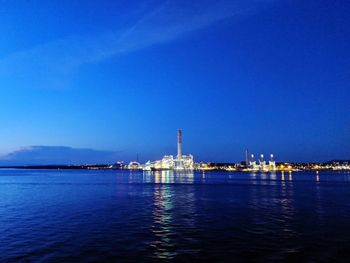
x=55 y=215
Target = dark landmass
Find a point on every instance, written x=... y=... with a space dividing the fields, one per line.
x=329 y=165
x=63 y=167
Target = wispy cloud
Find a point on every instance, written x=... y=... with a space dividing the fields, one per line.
x=51 y=64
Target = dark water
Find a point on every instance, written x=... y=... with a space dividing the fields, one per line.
x=109 y=216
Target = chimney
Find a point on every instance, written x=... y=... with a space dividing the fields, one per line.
x=179 y=144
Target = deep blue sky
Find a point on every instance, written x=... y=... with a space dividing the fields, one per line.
x=120 y=77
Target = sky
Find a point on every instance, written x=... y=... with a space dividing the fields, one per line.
x=100 y=81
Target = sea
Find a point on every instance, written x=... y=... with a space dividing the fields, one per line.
x=163 y=216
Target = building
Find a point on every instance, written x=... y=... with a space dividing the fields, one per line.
x=182 y=162
x=261 y=165
x=168 y=162
x=134 y=165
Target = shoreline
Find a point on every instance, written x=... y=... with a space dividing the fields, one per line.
x=108 y=167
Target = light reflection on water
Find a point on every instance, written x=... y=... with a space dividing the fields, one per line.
x=203 y=177
x=319 y=200
x=287 y=203
x=166 y=201
x=168 y=177
x=163 y=215
x=273 y=175
x=162 y=221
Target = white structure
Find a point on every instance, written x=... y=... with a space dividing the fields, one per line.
x=253 y=166
x=272 y=163
x=168 y=162
x=262 y=165
x=180 y=163
x=148 y=166
x=134 y=166
x=179 y=144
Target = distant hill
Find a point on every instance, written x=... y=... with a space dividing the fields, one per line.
x=57 y=155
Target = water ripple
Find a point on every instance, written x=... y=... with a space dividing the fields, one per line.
x=89 y=216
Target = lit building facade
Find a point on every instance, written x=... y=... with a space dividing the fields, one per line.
x=180 y=163
x=134 y=166
x=262 y=165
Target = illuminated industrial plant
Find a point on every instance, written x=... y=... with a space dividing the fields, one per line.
x=261 y=165
x=168 y=162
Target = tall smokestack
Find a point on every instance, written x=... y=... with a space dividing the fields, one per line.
x=246 y=158
x=179 y=144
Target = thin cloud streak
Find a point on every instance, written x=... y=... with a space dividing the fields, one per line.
x=51 y=65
